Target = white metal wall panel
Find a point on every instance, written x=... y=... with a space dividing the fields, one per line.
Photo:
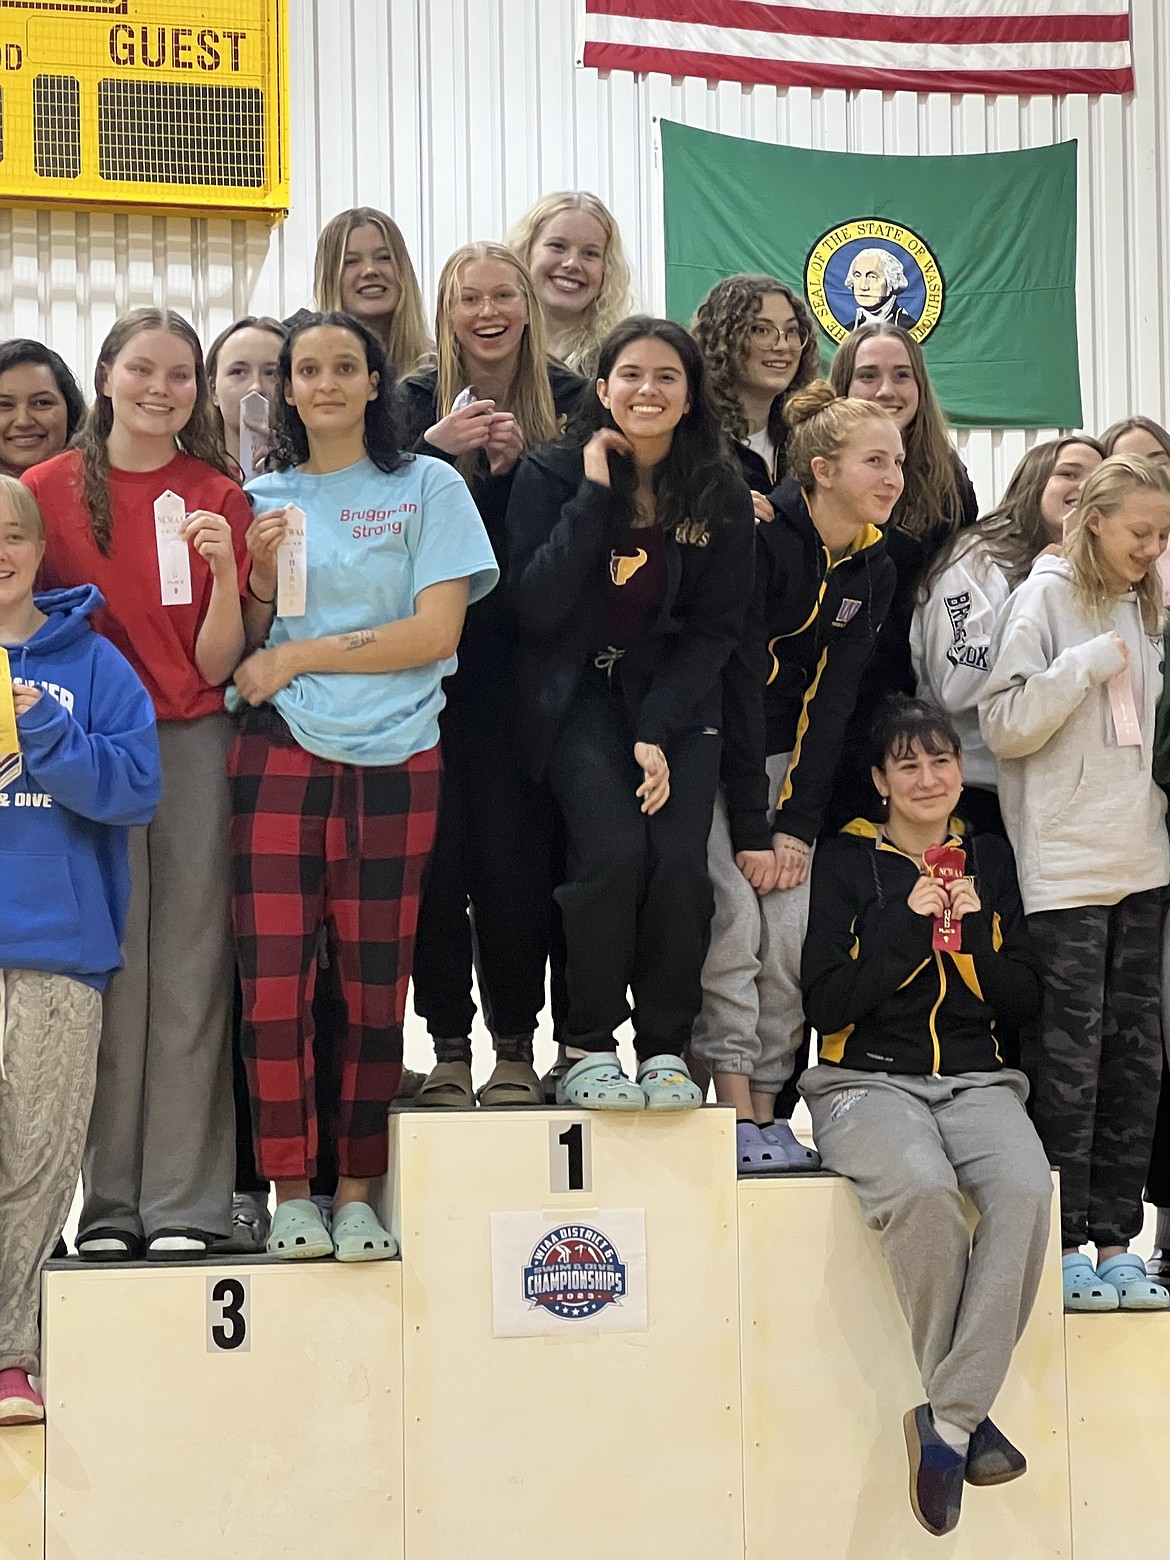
x=454 y=115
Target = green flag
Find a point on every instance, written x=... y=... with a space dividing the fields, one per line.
x=975 y=256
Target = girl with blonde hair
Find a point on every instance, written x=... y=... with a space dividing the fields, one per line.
x=823 y=584
x=363 y=267
x=570 y=242
x=1069 y=711
x=494 y=394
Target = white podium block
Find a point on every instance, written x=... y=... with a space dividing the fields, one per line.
x=580 y=1440
x=22 y=1492
x=1119 y=1435
x=226 y=1412
x=827 y=1375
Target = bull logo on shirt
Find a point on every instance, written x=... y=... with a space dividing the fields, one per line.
x=622 y=568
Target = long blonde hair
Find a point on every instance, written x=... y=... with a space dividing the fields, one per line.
x=530 y=398
x=822 y=424
x=579 y=345
x=1104 y=492
x=408 y=342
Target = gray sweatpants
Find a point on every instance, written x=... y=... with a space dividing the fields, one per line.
x=49 y=1029
x=161 y=1149
x=752 y=1018
x=914 y=1147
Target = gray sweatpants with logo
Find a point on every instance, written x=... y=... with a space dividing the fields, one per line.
x=49 y=1029
x=915 y=1148
x=161 y=1151
x=752 y=1018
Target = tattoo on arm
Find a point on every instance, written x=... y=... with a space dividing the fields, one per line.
x=358 y=639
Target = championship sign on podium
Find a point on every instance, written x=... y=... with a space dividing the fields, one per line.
x=156 y=103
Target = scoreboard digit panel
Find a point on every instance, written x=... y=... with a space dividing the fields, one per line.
x=157 y=103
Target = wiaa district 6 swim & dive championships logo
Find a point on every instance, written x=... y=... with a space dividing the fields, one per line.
x=872 y=271
x=575 y=1271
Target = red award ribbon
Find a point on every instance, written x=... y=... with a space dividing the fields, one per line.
x=946 y=863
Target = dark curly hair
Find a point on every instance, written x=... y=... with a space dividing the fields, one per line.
x=722 y=326
x=290 y=439
x=692 y=481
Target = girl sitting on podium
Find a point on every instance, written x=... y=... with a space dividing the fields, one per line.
x=631 y=562
x=78 y=766
x=917 y=972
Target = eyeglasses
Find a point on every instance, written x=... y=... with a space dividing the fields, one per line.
x=766 y=335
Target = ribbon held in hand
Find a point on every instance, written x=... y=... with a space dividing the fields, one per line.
x=946 y=863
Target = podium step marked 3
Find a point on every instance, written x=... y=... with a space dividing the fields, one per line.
x=584 y=1441
x=241 y=1412
x=827 y=1375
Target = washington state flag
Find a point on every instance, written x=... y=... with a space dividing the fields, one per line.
x=974 y=255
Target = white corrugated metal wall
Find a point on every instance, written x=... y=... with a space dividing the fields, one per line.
x=454 y=115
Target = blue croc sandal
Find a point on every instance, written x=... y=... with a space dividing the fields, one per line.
x=1136 y=1291
x=1084 y=1289
x=667 y=1084
x=597 y=1082
x=788 y=1146
x=298 y=1232
x=359 y=1235
x=754 y=1154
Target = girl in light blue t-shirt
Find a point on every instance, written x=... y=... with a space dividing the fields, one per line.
x=335 y=773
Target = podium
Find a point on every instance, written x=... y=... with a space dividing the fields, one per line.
x=597 y=1342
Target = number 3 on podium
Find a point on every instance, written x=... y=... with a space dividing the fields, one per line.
x=228 y=1322
x=570 y=1154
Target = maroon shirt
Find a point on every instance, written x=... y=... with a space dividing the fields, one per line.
x=636 y=587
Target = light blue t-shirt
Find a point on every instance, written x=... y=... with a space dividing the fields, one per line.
x=373 y=542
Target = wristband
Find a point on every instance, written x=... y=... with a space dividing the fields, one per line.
x=265 y=601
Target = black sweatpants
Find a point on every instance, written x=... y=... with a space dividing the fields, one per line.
x=1095 y=1060
x=637 y=900
x=493 y=851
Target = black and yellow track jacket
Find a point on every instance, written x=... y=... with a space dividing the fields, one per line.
x=807 y=639
x=880 y=998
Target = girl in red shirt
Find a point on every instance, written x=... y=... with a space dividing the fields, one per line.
x=159 y=1159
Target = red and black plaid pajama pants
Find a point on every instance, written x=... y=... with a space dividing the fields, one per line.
x=320 y=843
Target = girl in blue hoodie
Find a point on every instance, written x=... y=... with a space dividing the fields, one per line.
x=86 y=770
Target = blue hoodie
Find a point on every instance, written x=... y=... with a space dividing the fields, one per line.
x=88 y=769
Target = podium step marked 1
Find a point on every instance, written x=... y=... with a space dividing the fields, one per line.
x=22 y=1493
x=827 y=1375
x=243 y=1412
x=583 y=1438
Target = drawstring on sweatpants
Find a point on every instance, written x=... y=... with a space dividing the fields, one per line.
x=606 y=659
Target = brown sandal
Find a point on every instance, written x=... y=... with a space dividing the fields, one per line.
x=447 y=1087
x=511 y=1083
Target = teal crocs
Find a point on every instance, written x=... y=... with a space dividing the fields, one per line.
x=1085 y=1290
x=1136 y=1291
x=358 y=1235
x=298 y=1232
x=666 y=1083
x=597 y=1082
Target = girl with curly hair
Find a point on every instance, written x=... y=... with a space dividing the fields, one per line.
x=571 y=244
x=759 y=344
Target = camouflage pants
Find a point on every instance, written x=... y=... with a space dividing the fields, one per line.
x=1095 y=1060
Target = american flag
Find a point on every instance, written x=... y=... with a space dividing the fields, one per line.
x=977 y=46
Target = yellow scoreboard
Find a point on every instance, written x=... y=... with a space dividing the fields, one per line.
x=158 y=103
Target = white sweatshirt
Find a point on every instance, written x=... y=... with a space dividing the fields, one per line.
x=1085 y=818
x=950 y=640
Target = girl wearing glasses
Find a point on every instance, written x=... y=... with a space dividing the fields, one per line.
x=759 y=345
